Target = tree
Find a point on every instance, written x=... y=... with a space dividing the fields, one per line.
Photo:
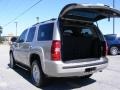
x=0 y=30
x=0 y=34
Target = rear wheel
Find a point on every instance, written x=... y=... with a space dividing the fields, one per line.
x=38 y=77
x=12 y=61
x=114 y=50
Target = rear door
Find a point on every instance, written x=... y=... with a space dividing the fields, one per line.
x=27 y=46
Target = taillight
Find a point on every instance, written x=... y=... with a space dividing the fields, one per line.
x=105 y=49
x=55 y=50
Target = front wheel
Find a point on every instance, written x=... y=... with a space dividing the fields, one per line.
x=113 y=50
x=38 y=77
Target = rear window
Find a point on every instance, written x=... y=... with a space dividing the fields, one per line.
x=31 y=34
x=87 y=14
x=110 y=37
x=45 y=32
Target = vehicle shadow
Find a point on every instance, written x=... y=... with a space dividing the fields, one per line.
x=68 y=83
x=58 y=83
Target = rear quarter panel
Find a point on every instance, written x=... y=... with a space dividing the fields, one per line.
x=43 y=49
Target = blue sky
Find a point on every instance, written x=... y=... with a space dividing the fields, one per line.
x=45 y=10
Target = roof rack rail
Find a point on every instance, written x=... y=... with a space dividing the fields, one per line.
x=35 y=24
x=44 y=21
x=49 y=20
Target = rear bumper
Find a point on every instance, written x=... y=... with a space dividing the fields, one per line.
x=60 y=69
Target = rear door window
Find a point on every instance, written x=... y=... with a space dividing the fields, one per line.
x=45 y=32
x=31 y=34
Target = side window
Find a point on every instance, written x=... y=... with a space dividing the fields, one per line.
x=45 y=32
x=22 y=37
x=31 y=34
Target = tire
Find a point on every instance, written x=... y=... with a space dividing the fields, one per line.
x=114 y=50
x=86 y=76
x=12 y=61
x=37 y=75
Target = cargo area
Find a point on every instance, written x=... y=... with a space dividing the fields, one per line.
x=79 y=42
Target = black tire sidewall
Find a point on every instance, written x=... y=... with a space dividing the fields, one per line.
x=41 y=81
x=11 y=56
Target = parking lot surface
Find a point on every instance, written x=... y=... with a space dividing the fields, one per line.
x=19 y=79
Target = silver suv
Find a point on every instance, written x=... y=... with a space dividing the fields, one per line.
x=68 y=46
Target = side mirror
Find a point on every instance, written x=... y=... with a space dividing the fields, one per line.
x=13 y=39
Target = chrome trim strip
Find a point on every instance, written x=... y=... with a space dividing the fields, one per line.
x=85 y=65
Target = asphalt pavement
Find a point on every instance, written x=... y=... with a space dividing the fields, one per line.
x=19 y=79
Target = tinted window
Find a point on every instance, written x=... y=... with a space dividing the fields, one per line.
x=110 y=37
x=22 y=37
x=84 y=13
x=31 y=34
x=45 y=32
